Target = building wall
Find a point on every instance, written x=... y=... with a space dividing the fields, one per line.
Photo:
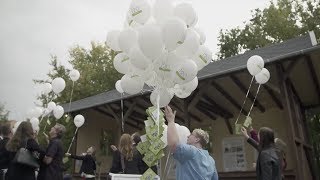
x=273 y=118
x=90 y=135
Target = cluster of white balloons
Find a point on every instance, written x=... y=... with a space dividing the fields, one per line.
x=255 y=66
x=183 y=133
x=161 y=47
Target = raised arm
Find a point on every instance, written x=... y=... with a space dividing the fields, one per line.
x=172 y=134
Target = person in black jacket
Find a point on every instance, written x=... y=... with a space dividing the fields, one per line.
x=6 y=135
x=268 y=166
x=88 y=166
x=23 y=137
x=127 y=159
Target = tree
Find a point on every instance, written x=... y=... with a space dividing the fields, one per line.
x=97 y=75
x=4 y=114
x=280 y=21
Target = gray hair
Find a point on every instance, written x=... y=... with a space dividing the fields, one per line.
x=203 y=135
x=60 y=130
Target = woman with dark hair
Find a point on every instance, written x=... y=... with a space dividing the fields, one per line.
x=268 y=164
x=24 y=137
x=88 y=159
x=127 y=159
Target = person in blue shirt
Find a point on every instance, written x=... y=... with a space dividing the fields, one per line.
x=193 y=162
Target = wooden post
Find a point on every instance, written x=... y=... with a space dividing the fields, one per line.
x=285 y=97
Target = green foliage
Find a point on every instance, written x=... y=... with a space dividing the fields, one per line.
x=280 y=21
x=3 y=113
x=97 y=75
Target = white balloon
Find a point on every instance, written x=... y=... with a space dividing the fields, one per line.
x=34 y=121
x=74 y=75
x=186 y=12
x=51 y=106
x=150 y=41
x=181 y=93
x=190 y=45
x=138 y=59
x=140 y=11
x=112 y=40
x=163 y=67
x=201 y=35
x=183 y=133
x=58 y=85
x=38 y=111
x=173 y=33
x=131 y=84
x=185 y=72
x=189 y=86
x=127 y=39
x=118 y=86
x=162 y=10
x=255 y=64
x=131 y=23
x=263 y=76
x=47 y=88
x=78 y=120
x=203 y=57
x=122 y=63
x=165 y=97
x=58 y=112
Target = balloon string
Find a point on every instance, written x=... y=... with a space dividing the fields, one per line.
x=166 y=165
x=122 y=120
x=254 y=100
x=71 y=97
x=72 y=139
x=245 y=99
x=158 y=113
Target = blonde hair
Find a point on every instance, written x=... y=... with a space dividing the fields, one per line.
x=125 y=146
x=203 y=135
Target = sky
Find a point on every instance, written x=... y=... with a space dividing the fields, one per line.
x=31 y=31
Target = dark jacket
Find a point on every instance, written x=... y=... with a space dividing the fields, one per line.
x=135 y=166
x=268 y=163
x=19 y=171
x=4 y=160
x=88 y=163
x=54 y=170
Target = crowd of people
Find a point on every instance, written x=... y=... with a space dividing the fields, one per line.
x=24 y=139
x=192 y=160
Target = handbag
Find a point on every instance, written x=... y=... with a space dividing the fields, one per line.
x=25 y=157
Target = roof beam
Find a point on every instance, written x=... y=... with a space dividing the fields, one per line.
x=250 y=96
x=205 y=112
x=273 y=96
x=129 y=111
x=225 y=113
x=103 y=112
x=209 y=108
x=225 y=94
x=290 y=67
x=198 y=95
x=314 y=76
x=111 y=111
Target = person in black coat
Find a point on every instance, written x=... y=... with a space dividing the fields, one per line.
x=268 y=166
x=127 y=159
x=23 y=137
x=51 y=167
x=88 y=166
x=6 y=134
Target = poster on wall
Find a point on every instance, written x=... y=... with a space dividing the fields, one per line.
x=234 y=158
